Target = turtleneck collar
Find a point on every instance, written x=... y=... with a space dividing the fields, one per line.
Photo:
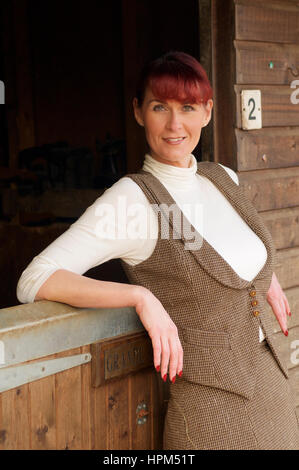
x=172 y=176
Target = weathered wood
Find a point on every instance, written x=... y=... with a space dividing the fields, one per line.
x=276 y=21
x=272 y=147
x=283 y=225
x=120 y=356
x=287 y=267
x=42 y=415
x=68 y=407
x=119 y=412
x=277 y=107
x=140 y=385
x=100 y=404
x=15 y=423
x=253 y=62
x=271 y=189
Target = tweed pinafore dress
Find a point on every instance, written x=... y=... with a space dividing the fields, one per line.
x=234 y=392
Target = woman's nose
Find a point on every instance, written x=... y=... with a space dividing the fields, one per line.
x=174 y=121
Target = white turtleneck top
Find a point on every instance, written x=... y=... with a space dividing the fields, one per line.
x=89 y=241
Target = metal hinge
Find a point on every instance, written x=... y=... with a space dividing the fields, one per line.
x=15 y=376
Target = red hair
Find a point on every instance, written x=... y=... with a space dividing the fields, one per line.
x=175 y=76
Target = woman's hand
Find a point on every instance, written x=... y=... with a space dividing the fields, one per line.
x=163 y=332
x=279 y=303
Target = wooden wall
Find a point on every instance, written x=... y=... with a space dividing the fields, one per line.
x=65 y=412
x=247 y=36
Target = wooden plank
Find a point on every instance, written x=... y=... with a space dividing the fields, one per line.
x=100 y=407
x=267 y=148
x=253 y=62
x=68 y=406
x=283 y=225
x=267 y=21
x=140 y=386
x=223 y=63
x=119 y=413
x=287 y=267
x=271 y=189
x=277 y=107
x=15 y=425
x=43 y=415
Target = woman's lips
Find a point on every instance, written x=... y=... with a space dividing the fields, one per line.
x=174 y=140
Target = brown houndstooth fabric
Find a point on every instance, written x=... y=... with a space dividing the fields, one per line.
x=234 y=392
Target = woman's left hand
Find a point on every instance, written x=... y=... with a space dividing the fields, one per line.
x=279 y=303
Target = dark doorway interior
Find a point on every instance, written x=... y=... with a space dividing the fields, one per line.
x=70 y=70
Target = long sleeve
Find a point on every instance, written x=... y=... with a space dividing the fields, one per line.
x=89 y=241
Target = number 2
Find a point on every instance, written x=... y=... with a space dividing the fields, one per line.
x=251 y=117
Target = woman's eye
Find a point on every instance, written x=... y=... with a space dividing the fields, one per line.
x=188 y=107
x=159 y=107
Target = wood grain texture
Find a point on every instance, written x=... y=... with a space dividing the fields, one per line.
x=271 y=189
x=43 y=416
x=283 y=225
x=272 y=147
x=68 y=406
x=287 y=268
x=253 y=59
x=118 y=414
x=267 y=21
x=141 y=394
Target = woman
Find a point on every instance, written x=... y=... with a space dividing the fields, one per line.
x=201 y=299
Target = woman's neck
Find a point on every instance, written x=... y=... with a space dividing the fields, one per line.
x=170 y=175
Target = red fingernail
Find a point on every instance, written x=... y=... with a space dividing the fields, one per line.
x=158 y=368
x=173 y=380
x=181 y=373
x=286 y=333
x=164 y=378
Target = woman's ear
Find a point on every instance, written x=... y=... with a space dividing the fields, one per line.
x=208 y=108
x=137 y=112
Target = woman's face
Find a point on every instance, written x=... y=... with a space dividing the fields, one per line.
x=172 y=129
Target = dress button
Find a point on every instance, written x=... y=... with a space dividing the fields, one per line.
x=256 y=313
x=254 y=303
x=252 y=293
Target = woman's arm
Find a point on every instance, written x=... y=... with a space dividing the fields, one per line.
x=81 y=291
x=56 y=274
